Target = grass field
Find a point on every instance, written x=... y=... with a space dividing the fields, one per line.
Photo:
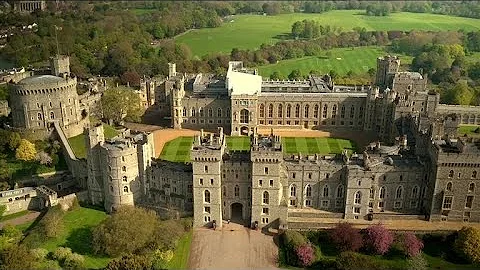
x=250 y=31
x=308 y=146
x=78 y=142
x=358 y=60
x=238 y=143
x=469 y=130
x=182 y=252
x=77 y=235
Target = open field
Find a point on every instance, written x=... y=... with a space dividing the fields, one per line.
x=250 y=31
x=309 y=146
x=358 y=60
x=78 y=143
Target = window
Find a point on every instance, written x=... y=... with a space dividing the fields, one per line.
x=450 y=174
x=124 y=179
x=381 y=204
x=360 y=114
x=264 y=220
x=413 y=204
x=315 y=111
x=52 y=115
x=358 y=197
x=270 y=110
x=193 y=112
x=124 y=169
x=207 y=219
x=280 y=111
x=294 y=175
x=210 y=113
x=342 y=112
x=219 y=112
x=111 y=189
x=297 y=110
x=206 y=209
x=352 y=111
x=123 y=159
x=271 y=182
x=415 y=192
x=244 y=116
x=293 y=202
x=397 y=205
x=293 y=190
x=305 y=113
x=449 y=186
x=125 y=189
x=260 y=182
x=265 y=211
x=399 y=192
x=334 y=111
x=356 y=210
x=200 y=181
x=200 y=111
x=474 y=174
x=309 y=175
x=206 y=197
x=224 y=191
x=262 y=110
x=327 y=175
x=237 y=191
x=471 y=187
x=308 y=203
x=325 y=110
x=447 y=202
x=184 y=112
x=211 y=181
x=265 y=170
x=372 y=193
x=469 y=202
x=39 y=116
x=382 y=193
x=340 y=191
x=266 y=197
x=205 y=169
x=308 y=191
x=325 y=191
x=289 y=110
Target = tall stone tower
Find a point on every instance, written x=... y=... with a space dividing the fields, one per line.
x=95 y=138
x=178 y=92
x=269 y=182
x=387 y=66
x=172 y=70
x=207 y=152
x=60 y=65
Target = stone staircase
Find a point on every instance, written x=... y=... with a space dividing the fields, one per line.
x=312 y=219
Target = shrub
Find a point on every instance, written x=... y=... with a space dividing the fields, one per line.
x=291 y=241
x=378 y=239
x=51 y=225
x=305 y=254
x=417 y=263
x=129 y=261
x=346 y=238
x=39 y=253
x=187 y=223
x=74 y=261
x=467 y=244
x=61 y=253
x=352 y=260
x=411 y=245
x=17 y=257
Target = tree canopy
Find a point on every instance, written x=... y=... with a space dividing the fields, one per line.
x=121 y=103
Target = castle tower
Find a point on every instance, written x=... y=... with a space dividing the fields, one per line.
x=178 y=92
x=206 y=154
x=60 y=65
x=172 y=70
x=387 y=66
x=94 y=138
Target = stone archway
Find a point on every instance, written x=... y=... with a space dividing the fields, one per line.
x=244 y=131
x=236 y=213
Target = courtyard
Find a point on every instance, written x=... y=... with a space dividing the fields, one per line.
x=232 y=247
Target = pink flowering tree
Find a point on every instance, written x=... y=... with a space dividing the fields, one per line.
x=411 y=244
x=378 y=239
x=346 y=238
x=305 y=254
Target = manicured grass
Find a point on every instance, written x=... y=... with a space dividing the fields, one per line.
x=250 y=31
x=309 y=146
x=238 y=143
x=14 y=215
x=78 y=234
x=469 y=130
x=20 y=169
x=342 y=60
x=78 y=143
x=182 y=252
x=177 y=150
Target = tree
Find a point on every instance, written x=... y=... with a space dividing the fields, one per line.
x=417 y=263
x=17 y=257
x=44 y=158
x=162 y=258
x=14 y=140
x=131 y=78
x=51 y=225
x=295 y=75
x=130 y=261
x=346 y=238
x=26 y=151
x=4 y=186
x=460 y=94
x=121 y=103
x=305 y=254
x=467 y=243
x=125 y=231
x=10 y=236
x=378 y=239
x=411 y=245
x=275 y=76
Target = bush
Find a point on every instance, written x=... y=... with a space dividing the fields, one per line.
x=292 y=240
x=411 y=245
x=74 y=261
x=305 y=254
x=346 y=238
x=39 y=253
x=467 y=244
x=378 y=239
x=417 y=263
x=61 y=253
x=352 y=260
x=187 y=224
x=129 y=261
x=51 y=225
x=17 y=257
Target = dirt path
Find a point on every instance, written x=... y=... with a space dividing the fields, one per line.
x=232 y=247
x=21 y=220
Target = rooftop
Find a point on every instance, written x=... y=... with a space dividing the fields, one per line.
x=41 y=79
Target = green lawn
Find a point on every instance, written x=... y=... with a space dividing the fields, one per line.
x=469 y=130
x=238 y=143
x=250 y=31
x=14 y=215
x=177 y=150
x=78 y=143
x=308 y=146
x=78 y=234
x=358 y=60
x=182 y=252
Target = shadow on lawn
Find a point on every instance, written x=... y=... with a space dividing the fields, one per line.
x=80 y=241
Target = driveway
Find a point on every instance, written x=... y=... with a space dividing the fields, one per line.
x=233 y=246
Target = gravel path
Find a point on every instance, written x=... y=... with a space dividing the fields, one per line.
x=21 y=220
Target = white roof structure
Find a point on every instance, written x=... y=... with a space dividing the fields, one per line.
x=240 y=82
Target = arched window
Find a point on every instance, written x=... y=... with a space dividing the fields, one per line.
x=210 y=112
x=293 y=190
x=297 y=110
x=325 y=191
x=372 y=193
x=39 y=116
x=398 y=194
x=244 y=116
x=352 y=111
x=124 y=178
x=289 y=110
x=308 y=191
x=124 y=169
x=111 y=189
x=224 y=191
x=280 y=110
x=184 y=112
x=325 y=111
x=342 y=112
x=237 y=191
x=228 y=112
x=266 y=197
x=382 y=193
x=125 y=189
x=449 y=186
x=315 y=111
x=334 y=111
x=415 y=192
x=219 y=112
x=340 y=191
x=200 y=111
x=206 y=196
x=52 y=115
x=358 y=197
x=305 y=113
x=270 y=110
x=193 y=112
x=474 y=174
x=471 y=187
x=450 y=174
x=262 y=110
